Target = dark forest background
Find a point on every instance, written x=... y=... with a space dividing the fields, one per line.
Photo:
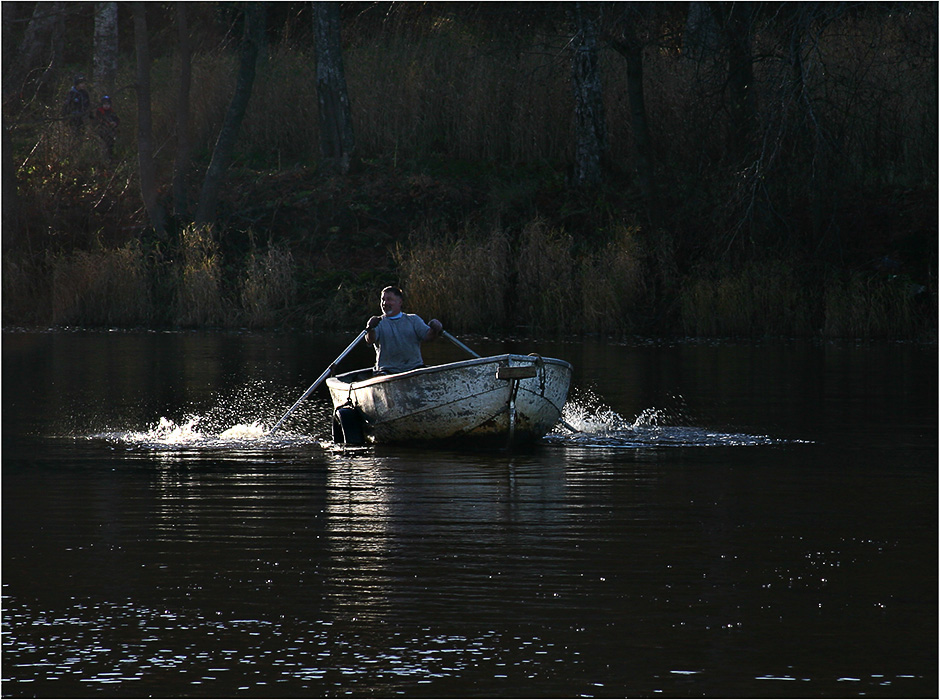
x=676 y=169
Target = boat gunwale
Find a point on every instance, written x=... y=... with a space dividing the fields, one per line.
x=431 y=369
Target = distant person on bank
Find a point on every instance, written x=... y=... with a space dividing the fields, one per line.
x=106 y=121
x=397 y=336
x=77 y=107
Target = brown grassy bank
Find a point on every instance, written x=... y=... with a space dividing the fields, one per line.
x=537 y=277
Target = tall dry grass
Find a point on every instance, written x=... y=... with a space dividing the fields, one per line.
x=101 y=287
x=616 y=286
x=546 y=282
x=476 y=283
x=777 y=299
x=199 y=294
x=462 y=280
x=126 y=286
x=759 y=299
x=536 y=281
x=280 y=127
x=440 y=83
x=26 y=291
x=269 y=287
x=541 y=282
x=862 y=305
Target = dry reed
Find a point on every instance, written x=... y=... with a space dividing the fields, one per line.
x=545 y=273
x=761 y=298
x=461 y=280
x=199 y=300
x=268 y=287
x=861 y=305
x=615 y=289
x=26 y=291
x=485 y=282
x=101 y=287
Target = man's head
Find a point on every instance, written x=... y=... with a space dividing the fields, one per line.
x=79 y=80
x=391 y=301
x=106 y=102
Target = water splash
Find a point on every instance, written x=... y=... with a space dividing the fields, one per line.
x=194 y=432
x=601 y=426
x=241 y=431
x=239 y=419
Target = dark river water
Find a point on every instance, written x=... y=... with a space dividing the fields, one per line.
x=733 y=520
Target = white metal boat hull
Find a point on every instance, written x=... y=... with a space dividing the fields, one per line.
x=503 y=398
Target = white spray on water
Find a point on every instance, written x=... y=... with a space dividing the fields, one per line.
x=233 y=422
x=601 y=426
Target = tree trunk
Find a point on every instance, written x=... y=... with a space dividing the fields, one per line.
x=807 y=18
x=57 y=53
x=106 y=47
x=701 y=38
x=146 y=165
x=10 y=211
x=228 y=134
x=38 y=38
x=181 y=164
x=337 y=142
x=629 y=46
x=735 y=18
x=590 y=124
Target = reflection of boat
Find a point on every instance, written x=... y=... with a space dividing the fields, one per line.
x=502 y=400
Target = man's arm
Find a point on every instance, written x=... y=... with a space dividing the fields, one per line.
x=435 y=329
x=371 y=325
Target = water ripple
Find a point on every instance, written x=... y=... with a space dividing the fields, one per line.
x=118 y=643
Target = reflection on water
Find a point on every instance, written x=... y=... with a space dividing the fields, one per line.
x=728 y=521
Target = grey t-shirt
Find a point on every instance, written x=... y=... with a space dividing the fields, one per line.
x=398 y=343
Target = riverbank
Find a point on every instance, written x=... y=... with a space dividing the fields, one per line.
x=483 y=250
x=783 y=185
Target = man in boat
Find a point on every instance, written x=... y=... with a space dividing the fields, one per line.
x=397 y=336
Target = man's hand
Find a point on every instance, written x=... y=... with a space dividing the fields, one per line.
x=371 y=325
x=435 y=328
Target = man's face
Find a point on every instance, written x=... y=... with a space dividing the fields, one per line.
x=391 y=303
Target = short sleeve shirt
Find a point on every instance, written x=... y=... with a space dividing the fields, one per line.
x=398 y=343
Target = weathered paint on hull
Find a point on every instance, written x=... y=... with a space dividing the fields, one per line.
x=458 y=401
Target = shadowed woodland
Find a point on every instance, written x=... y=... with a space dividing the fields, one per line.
x=672 y=169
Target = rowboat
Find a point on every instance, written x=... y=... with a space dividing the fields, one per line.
x=502 y=400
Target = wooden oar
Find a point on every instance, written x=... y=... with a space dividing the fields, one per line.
x=474 y=354
x=323 y=376
x=459 y=344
